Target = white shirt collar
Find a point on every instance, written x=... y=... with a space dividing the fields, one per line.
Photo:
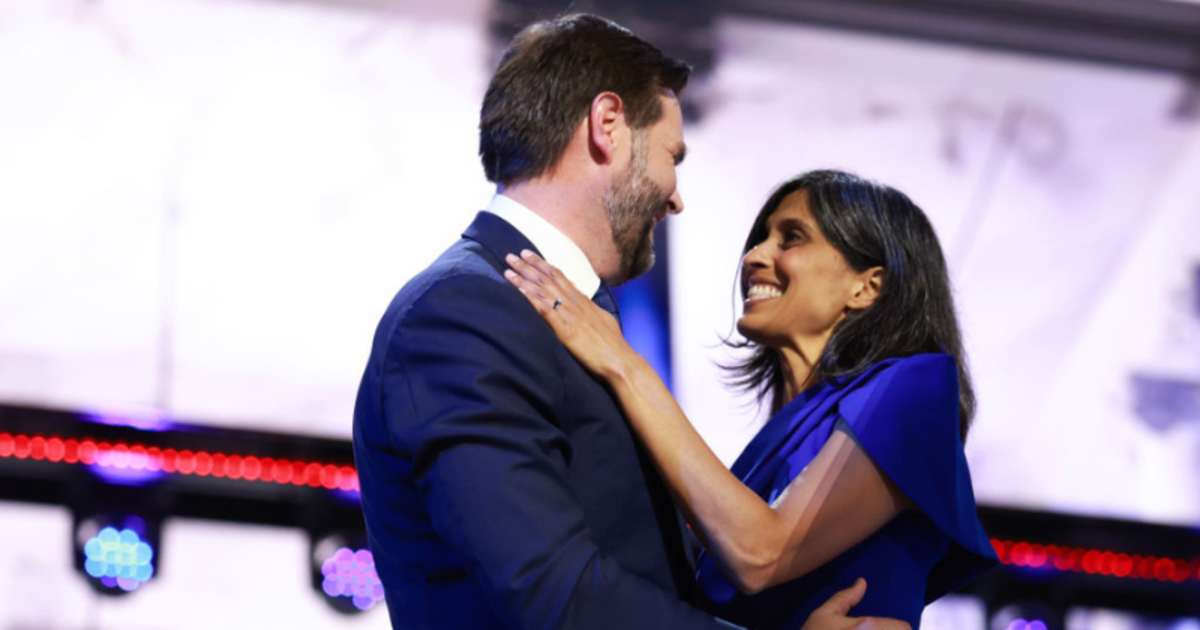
x=557 y=248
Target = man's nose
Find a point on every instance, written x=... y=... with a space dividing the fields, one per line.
x=675 y=203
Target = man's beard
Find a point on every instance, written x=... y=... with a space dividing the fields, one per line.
x=632 y=202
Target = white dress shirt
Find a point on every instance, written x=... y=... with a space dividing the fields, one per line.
x=558 y=249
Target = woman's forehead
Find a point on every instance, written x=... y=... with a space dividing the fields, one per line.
x=793 y=208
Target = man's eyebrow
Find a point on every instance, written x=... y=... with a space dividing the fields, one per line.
x=680 y=153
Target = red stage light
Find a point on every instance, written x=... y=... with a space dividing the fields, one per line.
x=1096 y=561
x=1122 y=565
x=198 y=463
x=55 y=449
x=87 y=452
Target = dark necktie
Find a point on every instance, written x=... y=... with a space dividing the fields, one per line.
x=604 y=298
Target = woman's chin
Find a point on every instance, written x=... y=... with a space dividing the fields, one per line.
x=748 y=330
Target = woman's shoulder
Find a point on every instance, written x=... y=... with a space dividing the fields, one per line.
x=909 y=379
x=920 y=365
x=905 y=417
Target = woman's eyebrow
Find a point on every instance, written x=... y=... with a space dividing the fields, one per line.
x=788 y=223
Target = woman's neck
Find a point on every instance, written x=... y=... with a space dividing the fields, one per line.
x=799 y=361
x=797 y=368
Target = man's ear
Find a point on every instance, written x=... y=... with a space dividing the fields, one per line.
x=606 y=120
x=866 y=289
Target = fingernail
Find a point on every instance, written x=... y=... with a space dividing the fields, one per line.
x=511 y=257
x=525 y=253
x=510 y=274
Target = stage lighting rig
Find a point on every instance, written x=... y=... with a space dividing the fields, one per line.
x=343 y=570
x=116 y=552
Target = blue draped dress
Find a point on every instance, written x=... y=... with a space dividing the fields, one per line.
x=903 y=413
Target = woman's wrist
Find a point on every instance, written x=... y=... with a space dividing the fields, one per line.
x=622 y=370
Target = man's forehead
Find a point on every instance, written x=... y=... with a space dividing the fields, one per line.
x=671 y=122
x=671 y=107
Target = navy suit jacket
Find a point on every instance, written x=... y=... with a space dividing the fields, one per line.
x=500 y=483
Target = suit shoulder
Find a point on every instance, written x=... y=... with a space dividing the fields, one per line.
x=463 y=268
x=464 y=289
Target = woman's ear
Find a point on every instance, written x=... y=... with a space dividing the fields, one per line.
x=606 y=118
x=867 y=288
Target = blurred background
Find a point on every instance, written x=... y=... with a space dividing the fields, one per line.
x=205 y=206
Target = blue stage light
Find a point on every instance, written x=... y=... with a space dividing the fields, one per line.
x=119 y=559
x=116 y=552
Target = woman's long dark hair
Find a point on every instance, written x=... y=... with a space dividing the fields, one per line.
x=871 y=225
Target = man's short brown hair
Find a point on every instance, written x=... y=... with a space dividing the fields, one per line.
x=546 y=81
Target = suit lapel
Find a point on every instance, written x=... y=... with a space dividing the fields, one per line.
x=500 y=238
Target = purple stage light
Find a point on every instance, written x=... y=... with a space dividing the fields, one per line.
x=1023 y=624
x=349 y=573
x=126 y=468
x=146 y=420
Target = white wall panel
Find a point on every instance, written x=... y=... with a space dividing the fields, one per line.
x=227 y=190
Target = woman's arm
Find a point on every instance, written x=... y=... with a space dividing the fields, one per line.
x=839 y=500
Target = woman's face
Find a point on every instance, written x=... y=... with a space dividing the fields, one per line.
x=799 y=285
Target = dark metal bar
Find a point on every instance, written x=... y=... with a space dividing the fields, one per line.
x=1151 y=34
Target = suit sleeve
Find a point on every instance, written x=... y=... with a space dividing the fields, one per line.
x=470 y=384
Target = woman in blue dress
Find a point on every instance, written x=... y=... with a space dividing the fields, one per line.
x=859 y=472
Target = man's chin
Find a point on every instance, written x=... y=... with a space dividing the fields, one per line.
x=643 y=257
x=638 y=265
x=647 y=263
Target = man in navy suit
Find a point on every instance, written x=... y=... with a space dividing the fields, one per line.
x=501 y=486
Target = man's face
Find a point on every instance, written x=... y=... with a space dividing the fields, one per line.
x=643 y=195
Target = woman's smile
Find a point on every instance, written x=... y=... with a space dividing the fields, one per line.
x=762 y=292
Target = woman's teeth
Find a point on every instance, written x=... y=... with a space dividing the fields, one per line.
x=762 y=292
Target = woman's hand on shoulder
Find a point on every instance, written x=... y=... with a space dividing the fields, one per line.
x=591 y=333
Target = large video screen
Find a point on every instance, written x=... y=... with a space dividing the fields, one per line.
x=1067 y=201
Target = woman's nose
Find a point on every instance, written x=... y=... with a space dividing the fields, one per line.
x=755 y=257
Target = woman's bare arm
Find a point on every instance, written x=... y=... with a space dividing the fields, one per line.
x=837 y=501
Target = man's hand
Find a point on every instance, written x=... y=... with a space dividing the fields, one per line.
x=834 y=614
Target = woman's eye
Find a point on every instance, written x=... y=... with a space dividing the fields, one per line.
x=792 y=237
